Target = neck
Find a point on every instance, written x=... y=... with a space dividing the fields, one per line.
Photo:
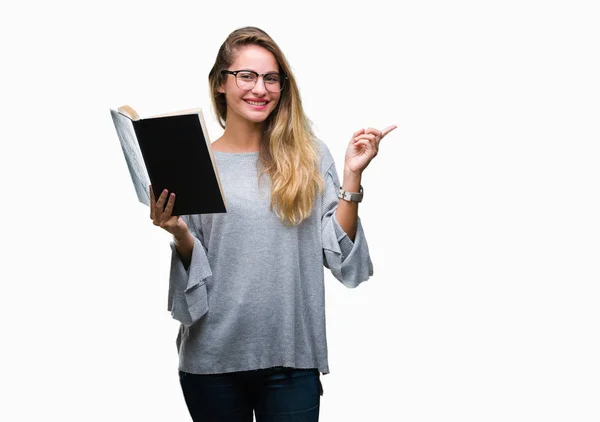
x=242 y=135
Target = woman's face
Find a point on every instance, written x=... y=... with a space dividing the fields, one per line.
x=254 y=104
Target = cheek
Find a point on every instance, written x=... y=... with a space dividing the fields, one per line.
x=232 y=98
x=232 y=92
x=276 y=102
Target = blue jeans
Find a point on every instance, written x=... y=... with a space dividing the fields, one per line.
x=275 y=395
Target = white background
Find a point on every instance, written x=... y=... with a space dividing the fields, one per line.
x=481 y=210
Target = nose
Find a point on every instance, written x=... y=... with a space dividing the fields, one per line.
x=259 y=87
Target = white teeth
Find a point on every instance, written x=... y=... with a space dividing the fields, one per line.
x=255 y=103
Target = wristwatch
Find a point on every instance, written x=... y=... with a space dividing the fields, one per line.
x=351 y=196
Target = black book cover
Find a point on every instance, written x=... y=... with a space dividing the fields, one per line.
x=176 y=157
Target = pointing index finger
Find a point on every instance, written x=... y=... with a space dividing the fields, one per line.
x=388 y=130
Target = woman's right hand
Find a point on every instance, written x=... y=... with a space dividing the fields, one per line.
x=161 y=215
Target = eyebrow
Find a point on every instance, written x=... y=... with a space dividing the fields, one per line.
x=251 y=70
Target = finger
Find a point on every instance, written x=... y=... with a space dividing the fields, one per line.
x=370 y=144
x=369 y=137
x=363 y=143
x=167 y=214
x=358 y=132
x=375 y=132
x=388 y=130
x=160 y=204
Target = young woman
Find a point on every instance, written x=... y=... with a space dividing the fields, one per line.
x=247 y=285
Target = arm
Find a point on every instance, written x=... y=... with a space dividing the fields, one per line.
x=347 y=212
x=363 y=147
x=188 y=301
x=185 y=247
x=347 y=258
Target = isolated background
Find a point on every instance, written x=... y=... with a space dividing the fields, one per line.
x=481 y=210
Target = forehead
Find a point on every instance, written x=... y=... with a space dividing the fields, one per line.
x=254 y=57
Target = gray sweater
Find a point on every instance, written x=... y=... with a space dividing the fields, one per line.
x=253 y=295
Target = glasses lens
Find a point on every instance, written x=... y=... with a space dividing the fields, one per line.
x=273 y=82
x=245 y=80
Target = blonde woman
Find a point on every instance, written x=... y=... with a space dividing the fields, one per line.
x=247 y=285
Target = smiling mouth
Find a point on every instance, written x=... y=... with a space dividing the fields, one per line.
x=255 y=103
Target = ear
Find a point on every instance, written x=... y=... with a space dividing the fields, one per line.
x=221 y=89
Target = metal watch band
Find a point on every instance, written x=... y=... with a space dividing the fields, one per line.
x=350 y=196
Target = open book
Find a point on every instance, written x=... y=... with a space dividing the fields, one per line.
x=171 y=151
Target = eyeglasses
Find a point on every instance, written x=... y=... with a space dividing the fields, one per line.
x=246 y=79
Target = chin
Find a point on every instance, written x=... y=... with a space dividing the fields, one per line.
x=258 y=117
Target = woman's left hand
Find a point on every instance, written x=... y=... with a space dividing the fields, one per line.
x=363 y=147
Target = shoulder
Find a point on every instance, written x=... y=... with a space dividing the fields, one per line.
x=326 y=159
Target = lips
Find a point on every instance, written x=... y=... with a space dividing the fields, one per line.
x=257 y=103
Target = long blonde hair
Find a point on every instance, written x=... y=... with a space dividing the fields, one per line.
x=289 y=151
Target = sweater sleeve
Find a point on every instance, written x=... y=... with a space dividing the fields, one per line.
x=188 y=300
x=348 y=261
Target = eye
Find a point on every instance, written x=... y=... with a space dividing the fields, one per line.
x=246 y=76
x=272 y=78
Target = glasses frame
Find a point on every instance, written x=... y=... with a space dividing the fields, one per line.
x=235 y=72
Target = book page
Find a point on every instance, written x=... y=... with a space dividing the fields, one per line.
x=177 y=113
x=210 y=151
x=133 y=156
